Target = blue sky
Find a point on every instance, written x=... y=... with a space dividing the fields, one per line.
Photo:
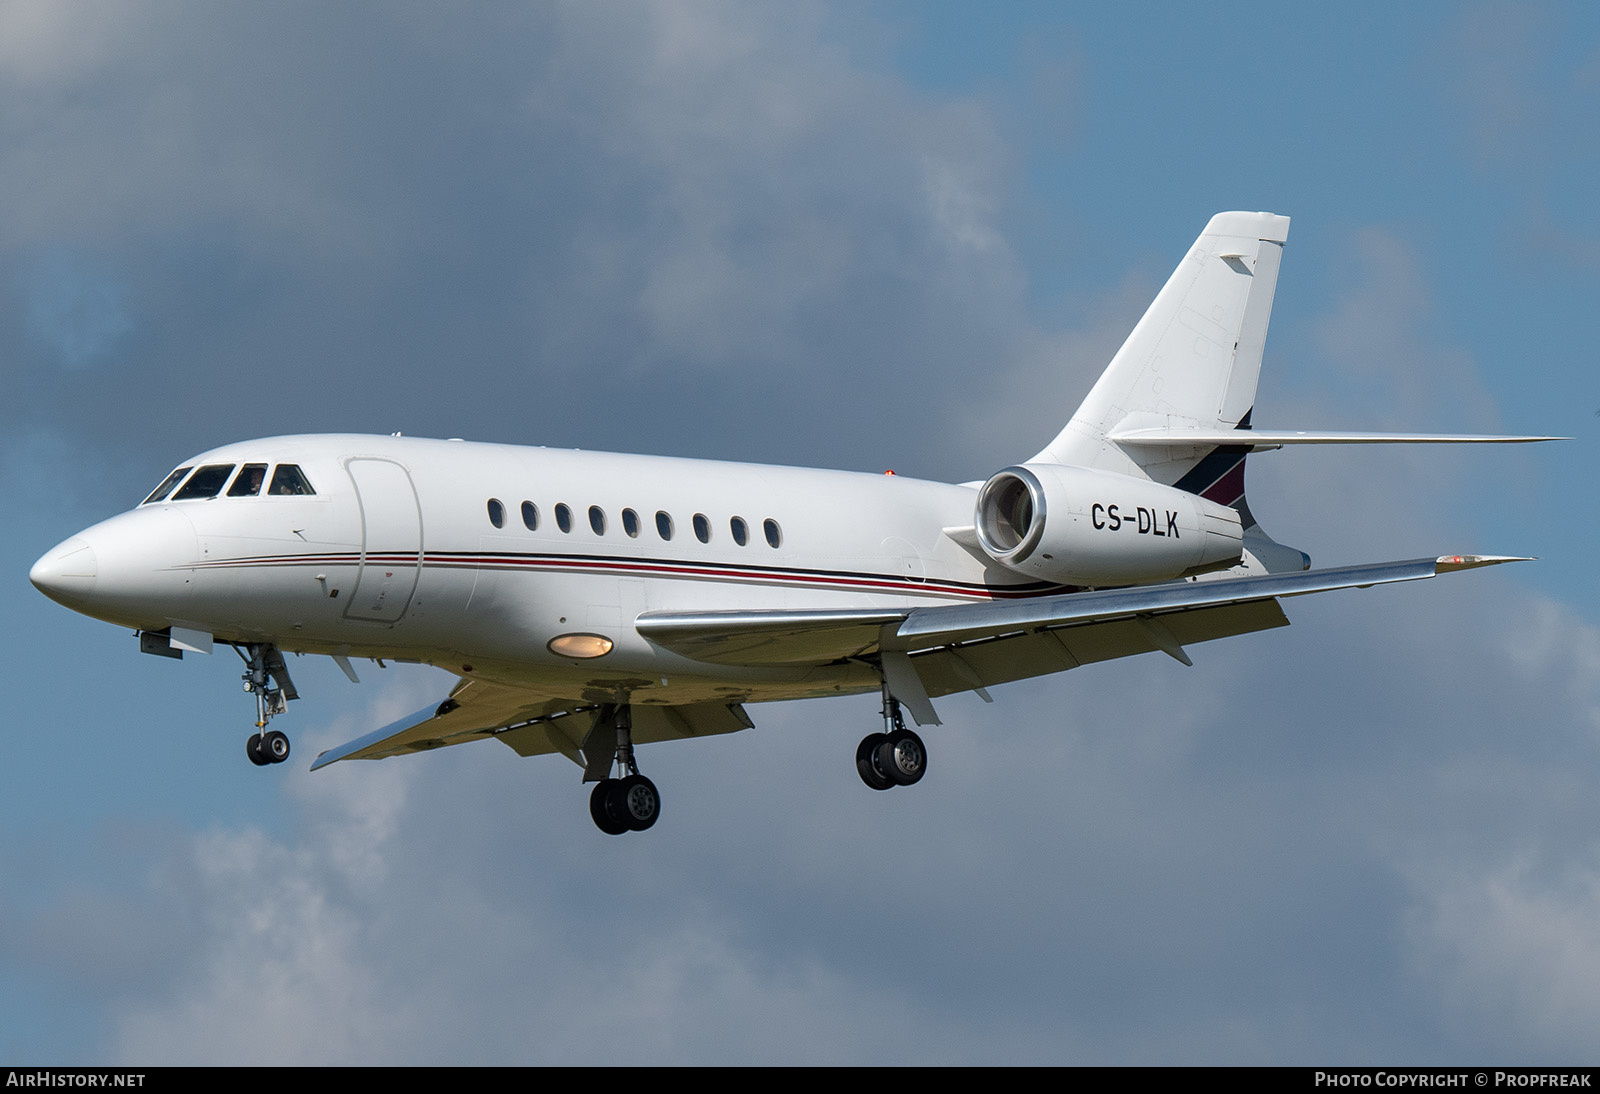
x=891 y=235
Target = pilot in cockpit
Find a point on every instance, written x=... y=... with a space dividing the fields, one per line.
x=248 y=484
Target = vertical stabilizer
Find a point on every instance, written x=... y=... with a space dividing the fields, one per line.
x=1191 y=362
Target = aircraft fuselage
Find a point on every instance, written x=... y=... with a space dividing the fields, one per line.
x=397 y=555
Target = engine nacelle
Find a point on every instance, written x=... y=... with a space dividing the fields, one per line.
x=1079 y=526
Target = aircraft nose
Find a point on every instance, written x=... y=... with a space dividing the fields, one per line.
x=67 y=573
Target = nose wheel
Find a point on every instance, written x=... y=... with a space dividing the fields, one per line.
x=271 y=747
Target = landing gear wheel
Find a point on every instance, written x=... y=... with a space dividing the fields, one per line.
x=274 y=747
x=598 y=799
x=901 y=757
x=867 y=762
x=636 y=802
x=252 y=749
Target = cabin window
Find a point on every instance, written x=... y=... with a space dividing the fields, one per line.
x=630 y=523
x=774 y=534
x=497 y=513
x=205 y=482
x=597 y=520
x=167 y=484
x=702 y=528
x=250 y=480
x=287 y=481
x=563 y=517
x=663 y=524
x=530 y=516
x=741 y=532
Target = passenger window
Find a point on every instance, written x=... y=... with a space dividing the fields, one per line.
x=630 y=523
x=563 y=517
x=741 y=533
x=530 y=516
x=205 y=483
x=248 y=484
x=597 y=520
x=167 y=484
x=287 y=481
x=497 y=513
x=774 y=535
x=702 y=528
x=663 y=524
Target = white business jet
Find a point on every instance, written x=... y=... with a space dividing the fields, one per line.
x=590 y=602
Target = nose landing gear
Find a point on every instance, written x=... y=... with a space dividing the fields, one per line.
x=267 y=677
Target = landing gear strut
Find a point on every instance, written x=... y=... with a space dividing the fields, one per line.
x=893 y=758
x=628 y=804
x=264 y=668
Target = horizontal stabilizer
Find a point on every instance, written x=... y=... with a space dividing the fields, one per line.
x=1270 y=438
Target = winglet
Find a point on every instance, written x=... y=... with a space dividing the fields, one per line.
x=1450 y=563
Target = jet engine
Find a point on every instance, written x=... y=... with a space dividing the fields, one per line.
x=1081 y=526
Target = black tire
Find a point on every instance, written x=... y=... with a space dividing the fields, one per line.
x=902 y=758
x=274 y=747
x=636 y=802
x=252 y=749
x=867 y=764
x=598 y=811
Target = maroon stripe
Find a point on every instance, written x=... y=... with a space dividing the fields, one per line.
x=514 y=562
x=1229 y=488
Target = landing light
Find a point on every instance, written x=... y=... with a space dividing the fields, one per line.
x=580 y=646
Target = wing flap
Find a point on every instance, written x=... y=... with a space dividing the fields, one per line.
x=1019 y=656
x=565 y=732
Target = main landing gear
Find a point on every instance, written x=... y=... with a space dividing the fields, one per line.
x=894 y=758
x=628 y=804
x=268 y=678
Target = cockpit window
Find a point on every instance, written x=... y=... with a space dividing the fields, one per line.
x=205 y=482
x=167 y=484
x=287 y=480
x=248 y=484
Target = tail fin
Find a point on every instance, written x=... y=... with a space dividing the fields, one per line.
x=1174 y=405
x=1191 y=363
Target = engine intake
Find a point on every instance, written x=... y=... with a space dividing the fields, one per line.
x=1080 y=526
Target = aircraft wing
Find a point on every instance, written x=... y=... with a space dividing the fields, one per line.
x=925 y=652
x=966 y=647
x=531 y=725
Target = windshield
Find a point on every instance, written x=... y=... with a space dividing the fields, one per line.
x=205 y=482
x=167 y=484
x=248 y=484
